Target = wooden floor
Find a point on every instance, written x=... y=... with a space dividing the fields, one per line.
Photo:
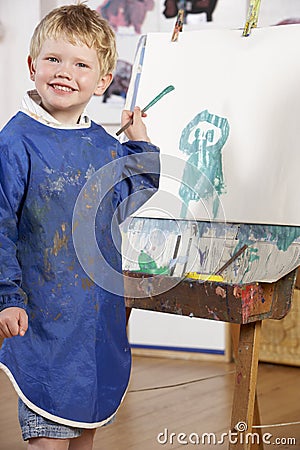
x=200 y=403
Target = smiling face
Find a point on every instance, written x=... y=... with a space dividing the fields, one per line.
x=66 y=76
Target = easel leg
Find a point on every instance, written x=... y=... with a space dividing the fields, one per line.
x=244 y=398
x=235 y=337
x=128 y=312
x=256 y=421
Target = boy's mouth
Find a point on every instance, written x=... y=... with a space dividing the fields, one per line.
x=62 y=88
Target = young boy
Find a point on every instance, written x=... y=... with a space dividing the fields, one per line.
x=68 y=356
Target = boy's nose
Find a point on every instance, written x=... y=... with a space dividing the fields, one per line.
x=62 y=72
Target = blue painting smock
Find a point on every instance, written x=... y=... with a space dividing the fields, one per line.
x=73 y=364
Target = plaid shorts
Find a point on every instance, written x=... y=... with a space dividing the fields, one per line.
x=33 y=425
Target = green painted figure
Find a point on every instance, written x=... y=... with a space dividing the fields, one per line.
x=203 y=139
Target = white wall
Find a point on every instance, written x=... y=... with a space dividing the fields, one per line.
x=273 y=11
x=18 y=18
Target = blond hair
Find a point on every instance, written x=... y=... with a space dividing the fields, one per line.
x=78 y=24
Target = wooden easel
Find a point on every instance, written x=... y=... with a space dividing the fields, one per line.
x=248 y=304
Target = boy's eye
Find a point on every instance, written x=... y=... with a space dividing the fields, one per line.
x=81 y=64
x=52 y=59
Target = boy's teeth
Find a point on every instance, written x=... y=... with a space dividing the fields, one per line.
x=62 y=88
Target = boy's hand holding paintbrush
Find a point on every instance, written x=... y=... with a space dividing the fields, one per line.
x=137 y=129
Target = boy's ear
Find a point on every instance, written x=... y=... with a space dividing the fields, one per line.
x=31 y=68
x=103 y=84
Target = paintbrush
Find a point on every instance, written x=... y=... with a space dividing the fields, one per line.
x=217 y=276
x=158 y=97
x=233 y=258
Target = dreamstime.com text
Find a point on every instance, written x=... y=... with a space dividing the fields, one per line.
x=231 y=437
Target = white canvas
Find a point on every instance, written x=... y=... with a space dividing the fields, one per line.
x=252 y=85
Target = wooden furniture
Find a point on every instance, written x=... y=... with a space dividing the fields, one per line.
x=245 y=305
x=280 y=339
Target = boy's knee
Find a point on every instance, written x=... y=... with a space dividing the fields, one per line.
x=84 y=442
x=48 y=444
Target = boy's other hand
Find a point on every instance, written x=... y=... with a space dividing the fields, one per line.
x=137 y=131
x=13 y=321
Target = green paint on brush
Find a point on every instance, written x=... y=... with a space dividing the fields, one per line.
x=158 y=97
